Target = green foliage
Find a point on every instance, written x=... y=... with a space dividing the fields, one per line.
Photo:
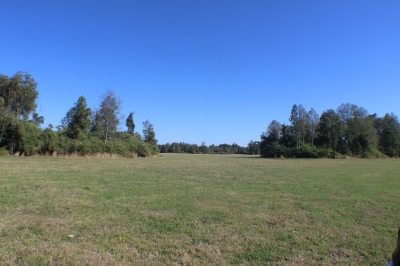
x=28 y=138
x=389 y=142
x=78 y=119
x=148 y=133
x=143 y=150
x=331 y=125
x=182 y=147
x=130 y=124
x=19 y=94
x=350 y=131
x=109 y=113
x=307 y=151
x=274 y=150
x=96 y=124
x=49 y=140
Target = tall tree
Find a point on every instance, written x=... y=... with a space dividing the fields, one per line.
x=298 y=118
x=389 y=142
x=130 y=124
x=388 y=129
x=331 y=125
x=274 y=130
x=313 y=120
x=148 y=133
x=77 y=120
x=358 y=126
x=109 y=112
x=19 y=96
x=96 y=123
x=19 y=93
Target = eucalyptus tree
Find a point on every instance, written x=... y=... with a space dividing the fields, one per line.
x=298 y=118
x=110 y=113
x=313 y=121
x=18 y=96
x=148 y=133
x=19 y=93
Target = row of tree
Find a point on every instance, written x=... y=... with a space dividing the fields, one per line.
x=348 y=131
x=183 y=147
x=82 y=131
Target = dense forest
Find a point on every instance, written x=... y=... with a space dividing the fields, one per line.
x=82 y=131
x=347 y=131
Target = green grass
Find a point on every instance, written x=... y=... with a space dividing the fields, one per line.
x=198 y=210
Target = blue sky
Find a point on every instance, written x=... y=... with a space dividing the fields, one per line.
x=213 y=71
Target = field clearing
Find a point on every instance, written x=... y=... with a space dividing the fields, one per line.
x=198 y=210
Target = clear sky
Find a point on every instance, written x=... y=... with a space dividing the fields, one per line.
x=214 y=71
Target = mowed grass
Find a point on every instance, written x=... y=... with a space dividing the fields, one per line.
x=198 y=210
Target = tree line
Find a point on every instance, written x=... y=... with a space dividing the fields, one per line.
x=183 y=147
x=82 y=131
x=347 y=131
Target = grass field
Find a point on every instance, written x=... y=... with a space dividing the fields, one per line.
x=198 y=210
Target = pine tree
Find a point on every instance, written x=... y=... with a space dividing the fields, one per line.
x=78 y=119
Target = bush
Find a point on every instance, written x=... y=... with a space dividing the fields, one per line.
x=4 y=152
x=306 y=151
x=324 y=153
x=275 y=150
x=143 y=150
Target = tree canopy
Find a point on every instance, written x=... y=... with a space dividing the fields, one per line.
x=81 y=131
x=348 y=131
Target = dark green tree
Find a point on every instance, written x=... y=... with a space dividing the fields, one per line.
x=130 y=124
x=19 y=93
x=331 y=126
x=272 y=135
x=77 y=119
x=389 y=142
x=96 y=124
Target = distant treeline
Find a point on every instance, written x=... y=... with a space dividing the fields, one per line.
x=348 y=131
x=82 y=131
x=183 y=147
